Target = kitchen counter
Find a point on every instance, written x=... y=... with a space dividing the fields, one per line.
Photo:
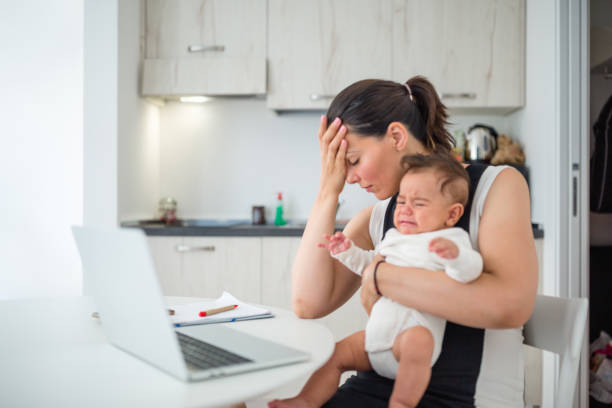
x=237 y=228
x=221 y=228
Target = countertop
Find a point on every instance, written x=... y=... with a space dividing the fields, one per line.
x=223 y=228
x=238 y=228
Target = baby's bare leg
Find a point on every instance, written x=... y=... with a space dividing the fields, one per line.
x=349 y=354
x=413 y=349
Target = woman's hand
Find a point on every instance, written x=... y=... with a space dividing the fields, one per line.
x=368 y=290
x=333 y=156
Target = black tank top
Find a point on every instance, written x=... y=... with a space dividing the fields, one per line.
x=455 y=373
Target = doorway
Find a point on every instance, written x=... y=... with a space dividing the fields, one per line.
x=600 y=222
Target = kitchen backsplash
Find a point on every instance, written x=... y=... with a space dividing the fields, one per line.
x=221 y=157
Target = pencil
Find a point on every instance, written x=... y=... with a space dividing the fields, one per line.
x=96 y=315
x=209 y=312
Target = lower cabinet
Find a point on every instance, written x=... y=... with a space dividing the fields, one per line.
x=206 y=266
x=256 y=270
x=277 y=259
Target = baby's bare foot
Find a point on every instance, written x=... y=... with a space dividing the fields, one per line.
x=295 y=402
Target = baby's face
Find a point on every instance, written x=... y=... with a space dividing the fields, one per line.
x=421 y=205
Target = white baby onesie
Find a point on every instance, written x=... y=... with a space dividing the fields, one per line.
x=389 y=318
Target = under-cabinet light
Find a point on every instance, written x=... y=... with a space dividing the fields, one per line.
x=194 y=99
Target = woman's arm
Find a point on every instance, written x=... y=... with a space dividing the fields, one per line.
x=504 y=295
x=319 y=283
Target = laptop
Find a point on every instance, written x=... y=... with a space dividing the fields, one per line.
x=129 y=300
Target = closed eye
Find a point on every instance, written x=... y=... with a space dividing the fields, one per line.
x=353 y=163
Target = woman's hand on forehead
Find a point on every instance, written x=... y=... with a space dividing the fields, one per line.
x=333 y=147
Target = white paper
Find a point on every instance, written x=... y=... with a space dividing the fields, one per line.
x=188 y=314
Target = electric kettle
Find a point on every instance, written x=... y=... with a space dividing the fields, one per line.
x=480 y=143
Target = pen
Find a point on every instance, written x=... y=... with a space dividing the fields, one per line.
x=217 y=310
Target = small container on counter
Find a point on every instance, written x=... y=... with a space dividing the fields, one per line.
x=258 y=215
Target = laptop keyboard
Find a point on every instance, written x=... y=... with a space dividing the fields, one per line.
x=204 y=355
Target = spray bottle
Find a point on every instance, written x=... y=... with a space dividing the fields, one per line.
x=278 y=219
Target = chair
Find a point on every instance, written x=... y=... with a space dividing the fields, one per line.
x=558 y=325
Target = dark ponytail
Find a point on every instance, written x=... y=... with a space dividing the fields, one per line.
x=433 y=112
x=367 y=107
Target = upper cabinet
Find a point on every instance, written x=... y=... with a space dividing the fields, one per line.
x=316 y=48
x=211 y=47
x=472 y=51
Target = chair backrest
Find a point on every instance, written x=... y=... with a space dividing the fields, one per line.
x=558 y=325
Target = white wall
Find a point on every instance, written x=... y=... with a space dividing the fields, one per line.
x=41 y=174
x=100 y=112
x=138 y=122
x=221 y=157
x=534 y=126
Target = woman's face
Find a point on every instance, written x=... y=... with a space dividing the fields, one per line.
x=374 y=163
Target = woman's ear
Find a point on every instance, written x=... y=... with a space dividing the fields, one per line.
x=454 y=213
x=398 y=135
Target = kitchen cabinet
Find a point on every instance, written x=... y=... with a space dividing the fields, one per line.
x=205 y=266
x=277 y=259
x=212 y=47
x=168 y=264
x=318 y=48
x=254 y=269
x=475 y=56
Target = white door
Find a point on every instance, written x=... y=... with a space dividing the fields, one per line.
x=574 y=131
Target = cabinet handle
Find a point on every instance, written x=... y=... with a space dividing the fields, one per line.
x=203 y=48
x=318 y=97
x=459 y=95
x=188 y=248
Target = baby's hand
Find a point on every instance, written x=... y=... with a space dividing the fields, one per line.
x=336 y=243
x=445 y=248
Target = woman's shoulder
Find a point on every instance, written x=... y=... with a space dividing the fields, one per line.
x=358 y=228
x=493 y=181
x=507 y=185
x=509 y=174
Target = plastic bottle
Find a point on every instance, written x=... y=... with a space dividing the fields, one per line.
x=278 y=218
x=459 y=149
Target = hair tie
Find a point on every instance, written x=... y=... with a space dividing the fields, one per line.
x=409 y=92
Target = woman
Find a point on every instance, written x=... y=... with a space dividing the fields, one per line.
x=374 y=124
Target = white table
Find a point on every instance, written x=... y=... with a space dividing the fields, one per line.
x=53 y=354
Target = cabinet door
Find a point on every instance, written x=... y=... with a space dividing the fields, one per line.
x=214 y=264
x=472 y=51
x=205 y=47
x=277 y=255
x=277 y=258
x=317 y=48
x=167 y=263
